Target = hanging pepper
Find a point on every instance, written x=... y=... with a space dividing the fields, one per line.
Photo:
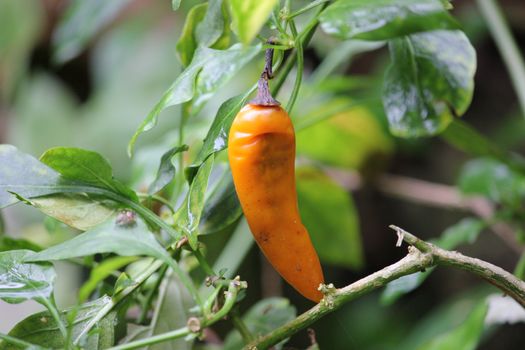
x=261 y=151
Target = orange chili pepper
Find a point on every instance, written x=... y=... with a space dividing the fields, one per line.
x=261 y=150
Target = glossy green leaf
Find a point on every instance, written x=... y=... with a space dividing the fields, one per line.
x=78 y=164
x=166 y=171
x=347 y=139
x=23 y=174
x=101 y=272
x=41 y=329
x=171 y=312
x=465 y=336
x=127 y=235
x=327 y=209
x=429 y=81
x=222 y=207
x=494 y=180
x=8 y=243
x=76 y=210
x=384 y=19
x=28 y=178
x=465 y=231
x=249 y=16
x=21 y=281
x=209 y=70
x=188 y=216
x=217 y=138
x=80 y=23
x=261 y=319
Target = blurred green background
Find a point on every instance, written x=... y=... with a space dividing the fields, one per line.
x=88 y=82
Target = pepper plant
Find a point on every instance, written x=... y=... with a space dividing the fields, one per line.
x=163 y=246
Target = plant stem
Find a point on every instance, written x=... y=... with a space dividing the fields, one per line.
x=239 y=324
x=151 y=293
x=203 y=263
x=158 y=199
x=300 y=67
x=176 y=334
x=507 y=46
x=148 y=271
x=306 y=8
x=51 y=307
x=421 y=256
x=229 y=302
x=415 y=261
x=305 y=37
x=18 y=342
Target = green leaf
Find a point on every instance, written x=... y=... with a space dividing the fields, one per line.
x=429 y=81
x=41 y=329
x=28 y=178
x=403 y=285
x=494 y=180
x=123 y=281
x=205 y=26
x=465 y=231
x=466 y=336
x=21 y=281
x=166 y=171
x=209 y=70
x=171 y=312
x=77 y=210
x=127 y=235
x=467 y=139
x=327 y=209
x=175 y=4
x=101 y=272
x=384 y=19
x=80 y=23
x=217 y=138
x=188 y=216
x=23 y=174
x=8 y=243
x=187 y=43
x=222 y=207
x=261 y=319
x=249 y=16
x=214 y=30
x=86 y=166
x=356 y=129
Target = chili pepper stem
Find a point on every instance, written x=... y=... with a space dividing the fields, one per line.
x=264 y=96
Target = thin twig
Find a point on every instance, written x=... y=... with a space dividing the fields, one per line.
x=422 y=255
x=493 y=274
